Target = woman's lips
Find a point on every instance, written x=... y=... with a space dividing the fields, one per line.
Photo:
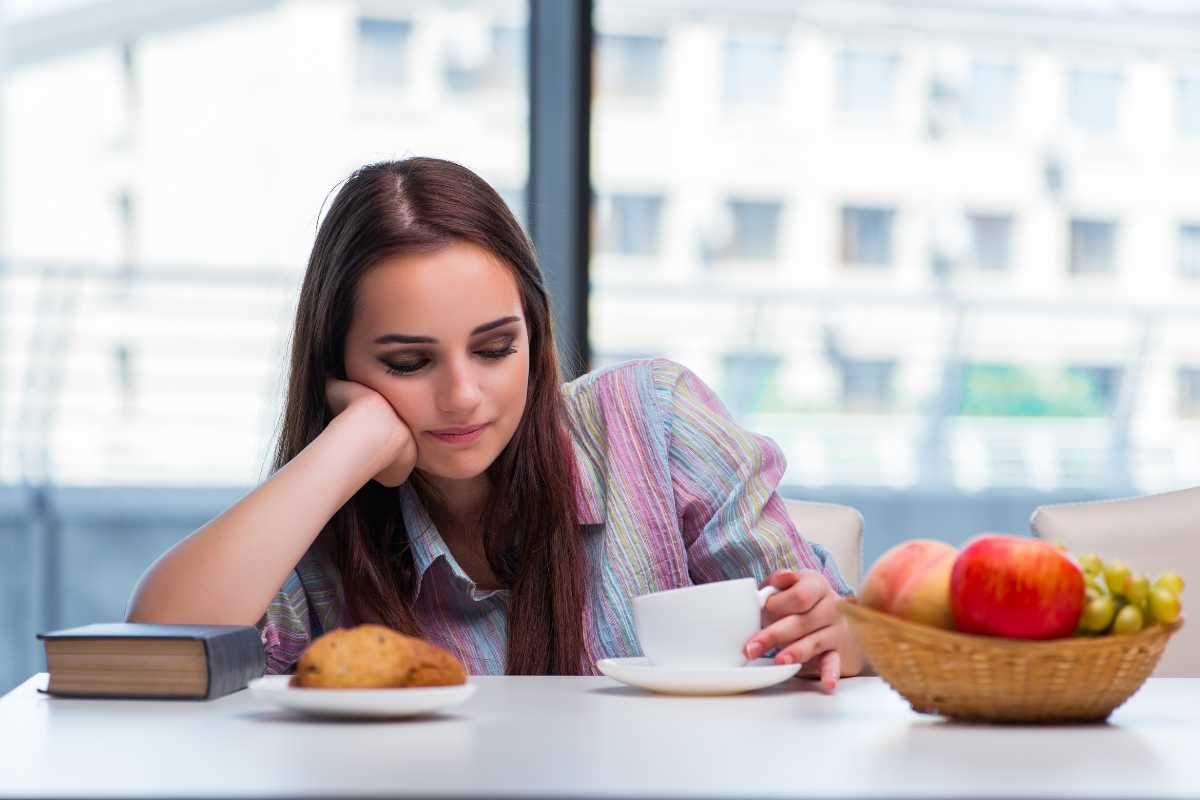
x=463 y=435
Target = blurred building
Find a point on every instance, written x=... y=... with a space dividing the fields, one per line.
x=943 y=243
x=944 y=252
x=919 y=243
x=160 y=196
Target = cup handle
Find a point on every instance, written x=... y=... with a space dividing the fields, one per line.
x=764 y=593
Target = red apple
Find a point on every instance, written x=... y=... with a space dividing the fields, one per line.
x=912 y=580
x=1015 y=587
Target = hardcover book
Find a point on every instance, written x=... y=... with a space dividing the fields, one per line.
x=133 y=660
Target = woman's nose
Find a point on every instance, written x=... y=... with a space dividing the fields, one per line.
x=459 y=390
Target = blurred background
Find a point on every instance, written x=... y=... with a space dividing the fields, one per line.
x=945 y=252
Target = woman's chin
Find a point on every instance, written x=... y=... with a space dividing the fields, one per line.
x=457 y=470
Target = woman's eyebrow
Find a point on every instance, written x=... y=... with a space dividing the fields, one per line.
x=404 y=338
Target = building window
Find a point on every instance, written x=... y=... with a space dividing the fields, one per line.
x=867 y=236
x=1014 y=390
x=988 y=99
x=991 y=241
x=123 y=368
x=1189 y=392
x=503 y=67
x=382 y=50
x=631 y=66
x=747 y=380
x=127 y=222
x=1189 y=250
x=1093 y=100
x=755 y=235
x=868 y=385
x=1099 y=385
x=129 y=77
x=866 y=82
x=753 y=68
x=631 y=224
x=1093 y=247
x=1187 y=96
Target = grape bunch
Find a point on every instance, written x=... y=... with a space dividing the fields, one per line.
x=1119 y=601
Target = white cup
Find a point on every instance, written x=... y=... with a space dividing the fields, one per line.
x=700 y=626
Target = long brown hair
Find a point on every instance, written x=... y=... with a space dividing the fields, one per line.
x=531 y=529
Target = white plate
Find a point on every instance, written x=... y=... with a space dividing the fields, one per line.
x=641 y=673
x=358 y=702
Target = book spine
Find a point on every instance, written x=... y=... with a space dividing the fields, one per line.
x=234 y=660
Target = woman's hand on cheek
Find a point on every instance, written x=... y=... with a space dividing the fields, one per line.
x=398 y=448
x=803 y=623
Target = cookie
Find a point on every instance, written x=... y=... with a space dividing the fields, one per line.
x=362 y=657
x=433 y=666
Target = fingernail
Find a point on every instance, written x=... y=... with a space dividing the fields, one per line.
x=754 y=649
x=787 y=658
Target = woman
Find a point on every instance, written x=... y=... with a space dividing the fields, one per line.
x=433 y=475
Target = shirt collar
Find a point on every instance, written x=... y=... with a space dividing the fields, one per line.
x=424 y=539
x=428 y=546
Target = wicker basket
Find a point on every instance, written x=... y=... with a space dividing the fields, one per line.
x=1007 y=680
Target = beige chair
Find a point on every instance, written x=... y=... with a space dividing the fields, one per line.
x=1151 y=534
x=839 y=529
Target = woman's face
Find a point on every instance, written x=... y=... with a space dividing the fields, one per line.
x=442 y=336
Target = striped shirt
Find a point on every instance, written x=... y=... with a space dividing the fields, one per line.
x=671 y=493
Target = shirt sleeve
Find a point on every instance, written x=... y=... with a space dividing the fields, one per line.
x=284 y=628
x=724 y=479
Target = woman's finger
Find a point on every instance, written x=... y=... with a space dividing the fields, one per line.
x=791 y=628
x=808 y=647
x=831 y=670
x=340 y=394
x=804 y=590
x=782 y=578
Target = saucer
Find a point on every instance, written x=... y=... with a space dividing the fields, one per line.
x=641 y=673
x=375 y=703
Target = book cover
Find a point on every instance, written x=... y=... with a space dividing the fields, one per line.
x=233 y=654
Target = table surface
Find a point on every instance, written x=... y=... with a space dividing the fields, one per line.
x=593 y=737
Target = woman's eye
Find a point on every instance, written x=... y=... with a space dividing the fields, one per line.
x=404 y=368
x=409 y=367
x=507 y=350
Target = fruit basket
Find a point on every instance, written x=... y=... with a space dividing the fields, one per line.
x=982 y=678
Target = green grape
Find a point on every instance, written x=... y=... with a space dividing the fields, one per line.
x=1137 y=590
x=1091 y=563
x=1098 y=613
x=1094 y=583
x=1164 y=605
x=1115 y=575
x=1128 y=620
x=1170 y=581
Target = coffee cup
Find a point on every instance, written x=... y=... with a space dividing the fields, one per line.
x=700 y=626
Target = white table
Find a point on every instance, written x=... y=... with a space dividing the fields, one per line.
x=592 y=737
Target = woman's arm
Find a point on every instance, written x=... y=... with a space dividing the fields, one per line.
x=228 y=571
x=724 y=480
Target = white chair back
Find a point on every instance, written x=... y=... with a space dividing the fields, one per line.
x=837 y=528
x=1151 y=534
